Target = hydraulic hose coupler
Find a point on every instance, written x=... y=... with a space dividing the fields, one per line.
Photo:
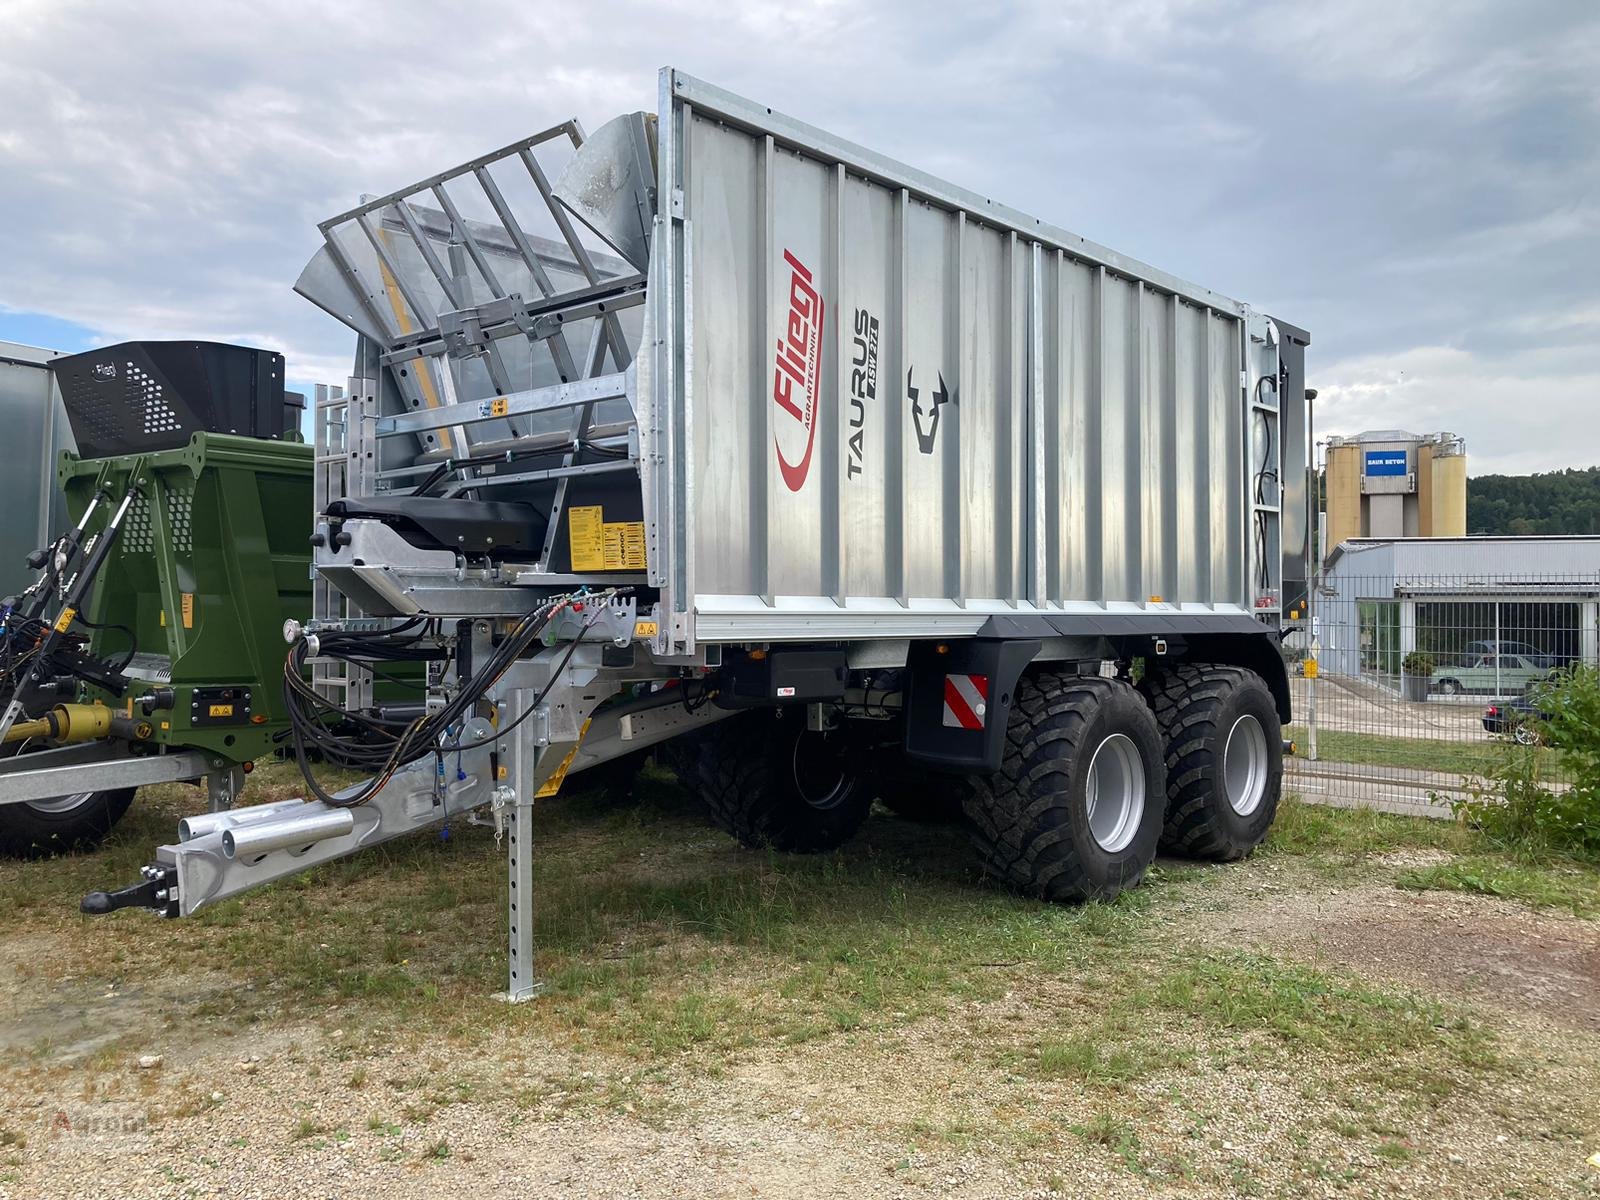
x=157 y=699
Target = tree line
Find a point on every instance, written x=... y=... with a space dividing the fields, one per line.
x=1553 y=502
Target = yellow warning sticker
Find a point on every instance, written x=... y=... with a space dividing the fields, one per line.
x=586 y=534
x=188 y=610
x=624 y=545
x=163 y=618
x=601 y=545
x=499 y=406
x=221 y=710
x=64 y=621
x=644 y=629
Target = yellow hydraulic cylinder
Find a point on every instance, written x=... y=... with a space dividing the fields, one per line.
x=65 y=723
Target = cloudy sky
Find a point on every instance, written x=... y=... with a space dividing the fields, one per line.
x=1416 y=182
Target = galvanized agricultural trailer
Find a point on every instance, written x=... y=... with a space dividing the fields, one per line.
x=853 y=482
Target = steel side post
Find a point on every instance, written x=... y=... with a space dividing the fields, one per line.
x=524 y=755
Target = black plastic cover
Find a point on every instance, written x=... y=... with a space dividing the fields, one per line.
x=492 y=527
x=782 y=676
x=140 y=396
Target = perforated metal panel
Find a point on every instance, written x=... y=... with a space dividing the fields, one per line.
x=143 y=396
x=138 y=531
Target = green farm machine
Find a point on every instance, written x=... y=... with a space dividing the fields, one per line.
x=148 y=648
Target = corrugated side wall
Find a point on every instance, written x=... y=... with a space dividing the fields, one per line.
x=896 y=404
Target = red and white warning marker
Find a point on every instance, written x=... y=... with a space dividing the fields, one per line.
x=965 y=701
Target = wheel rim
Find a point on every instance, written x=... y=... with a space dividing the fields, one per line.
x=61 y=804
x=1525 y=736
x=1115 y=792
x=1448 y=687
x=821 y=774
x=1244 y=765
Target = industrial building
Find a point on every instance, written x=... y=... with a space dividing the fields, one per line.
x=1380 y=599
x=1388 y=483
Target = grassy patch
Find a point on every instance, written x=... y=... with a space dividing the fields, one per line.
x=1340 y=837
x=1094 y=1056
x=658 y=937
x=1299 y=1008
x=1322 y=831
x=1419 y=754
x=1116 y=1135
x=970 y=1019
x=1570 y=887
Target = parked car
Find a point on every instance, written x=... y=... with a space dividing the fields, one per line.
x=1518 y=719
x=1522 y=649
x=1499 y=673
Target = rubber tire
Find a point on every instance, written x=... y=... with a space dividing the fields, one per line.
x=1029 y=821
x=744 y=775
x=28 y=832
x=1448 y=687
x=919 y=793
x=1196 y=704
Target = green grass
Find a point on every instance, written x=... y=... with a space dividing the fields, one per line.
x=1549 y=885
x=670 y=953
x=657 y=936
x=662 y=941
x=1337 y=835
x=1302 y=1007
x=1106 y=1055
x=1339 y=839
x=1115 y=1134
x=1475 y=758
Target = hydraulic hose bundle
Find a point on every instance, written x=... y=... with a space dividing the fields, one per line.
x=380 y=747
x=33 y=647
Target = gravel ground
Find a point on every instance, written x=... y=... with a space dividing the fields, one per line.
x=122 y=1092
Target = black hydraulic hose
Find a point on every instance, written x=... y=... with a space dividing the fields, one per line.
x=76 y=590
x=63 y=551
x=531 y=705
x=133 y=642
x=382 y=750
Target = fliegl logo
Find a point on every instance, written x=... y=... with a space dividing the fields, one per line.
x=795 y=378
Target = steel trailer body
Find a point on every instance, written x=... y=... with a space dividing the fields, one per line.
x=988 y=414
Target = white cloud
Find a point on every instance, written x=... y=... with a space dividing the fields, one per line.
x=1410 y=182
x=1523 y=413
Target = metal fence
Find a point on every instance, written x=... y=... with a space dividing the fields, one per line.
x=1421 y=682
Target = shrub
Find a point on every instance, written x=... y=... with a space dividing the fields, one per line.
x=1516 y=807
x=1417 y=663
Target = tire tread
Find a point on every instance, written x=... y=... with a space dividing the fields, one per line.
x=1185 y=699
x=1017 y=820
